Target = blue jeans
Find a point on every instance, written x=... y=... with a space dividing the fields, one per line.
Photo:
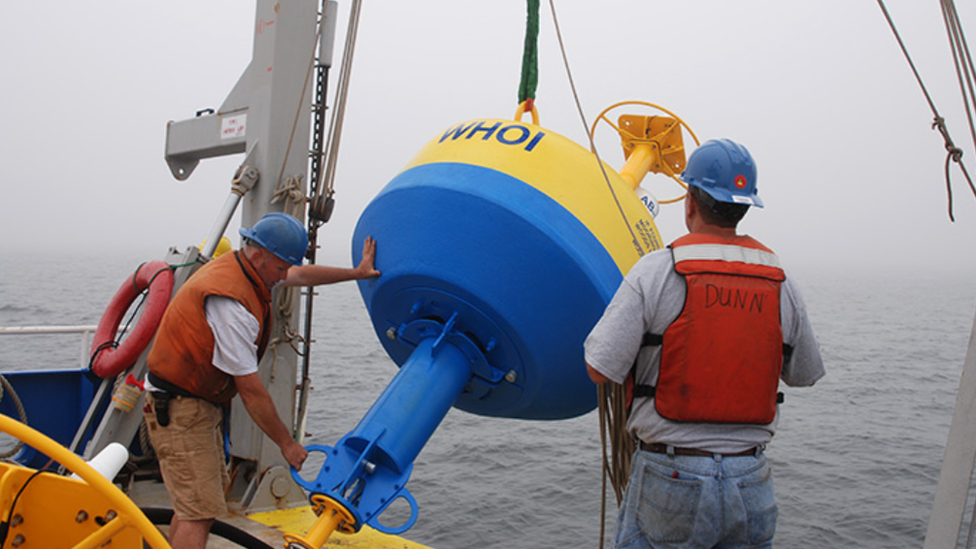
x=695 y=502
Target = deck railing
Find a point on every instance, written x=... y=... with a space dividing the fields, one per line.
x=85 y=332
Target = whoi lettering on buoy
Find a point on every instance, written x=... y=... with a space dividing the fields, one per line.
x=512 y=134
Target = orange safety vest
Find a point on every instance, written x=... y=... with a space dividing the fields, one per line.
x=182 y=354
x=722 y=357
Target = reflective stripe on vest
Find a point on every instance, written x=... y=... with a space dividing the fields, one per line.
x=725 y=252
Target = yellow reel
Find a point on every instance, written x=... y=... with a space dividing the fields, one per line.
x=61 y=495
x=651 y=144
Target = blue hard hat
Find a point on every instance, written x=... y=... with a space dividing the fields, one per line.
x=280 y=234
x=725 y=170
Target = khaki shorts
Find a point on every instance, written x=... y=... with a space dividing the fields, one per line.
x=191 y=457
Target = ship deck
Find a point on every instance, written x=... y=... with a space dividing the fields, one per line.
x=270 y=526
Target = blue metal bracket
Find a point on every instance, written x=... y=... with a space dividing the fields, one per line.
x=368 y=469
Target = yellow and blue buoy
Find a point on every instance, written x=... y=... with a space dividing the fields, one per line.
x=513 y=231
x=500 y=246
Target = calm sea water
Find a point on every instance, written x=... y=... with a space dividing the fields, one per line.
x=856 y=460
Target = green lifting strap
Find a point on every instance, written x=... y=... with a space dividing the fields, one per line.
x=530 y=57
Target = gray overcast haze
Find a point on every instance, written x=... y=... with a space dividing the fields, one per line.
x=849 y=168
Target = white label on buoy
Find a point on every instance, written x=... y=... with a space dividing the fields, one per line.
x=651 y=203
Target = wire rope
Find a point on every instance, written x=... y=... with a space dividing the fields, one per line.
x=579 y=108
x=342 y=92
x=611 y=401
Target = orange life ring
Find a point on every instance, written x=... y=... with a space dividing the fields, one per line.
x=109 y=360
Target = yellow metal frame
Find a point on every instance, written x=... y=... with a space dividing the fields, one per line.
x=332 y=516
x=651 y=144
x=57 y=511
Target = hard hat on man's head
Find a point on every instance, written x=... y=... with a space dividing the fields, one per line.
x=280 y=234
x=725 y=170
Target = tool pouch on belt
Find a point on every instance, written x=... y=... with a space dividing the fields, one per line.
x=161 y=407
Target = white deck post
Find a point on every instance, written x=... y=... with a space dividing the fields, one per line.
x=957 y=464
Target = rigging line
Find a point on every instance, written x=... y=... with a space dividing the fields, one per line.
x=962 y=59
x=965 y=173
x=918 y=78
x=602 y=403
x=611 y=399
x=969 y=101
x=953 y=153
x=298 y=108
x=964 y=72
x=586 y=126
x=342 y=91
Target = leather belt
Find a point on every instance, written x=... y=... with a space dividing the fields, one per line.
x=659 y=448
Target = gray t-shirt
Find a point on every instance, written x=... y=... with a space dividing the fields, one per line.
x=648 y=301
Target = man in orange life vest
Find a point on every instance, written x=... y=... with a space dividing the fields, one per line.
x=707 y=328
x=207 y=350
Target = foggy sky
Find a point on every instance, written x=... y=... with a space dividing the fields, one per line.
x=849 y=168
